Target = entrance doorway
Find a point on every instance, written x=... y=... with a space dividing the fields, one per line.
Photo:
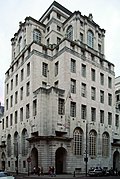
x=3 y=161
x=116 y=159
x=34 y=158
x=60 y=160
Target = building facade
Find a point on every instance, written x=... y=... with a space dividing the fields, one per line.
x=59 y=95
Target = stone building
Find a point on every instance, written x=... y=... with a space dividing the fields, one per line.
x=116 y=130
x=59 y=95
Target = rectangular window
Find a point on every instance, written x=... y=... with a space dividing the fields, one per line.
x=109 y=82
x=11 y=101
x=9 y=164
x=44 y=69
x=92 y=57
x=48 y=17
x=93 y=114
x=56 y=68
x=101 y=96
x=16 y=97
x=92 y=74
x=22 y=74
x=99 y=48
x=21 y=93
x=73 y=86
x=117 y=120
x=6 y=104
x=3 y=123
x=73 y=65
x=81 y=23
x=11 y=119
x=35 y=107
x=16 y=117
x=16 y=80
x=101 y=116
x=61 y=106
x=109 y=118
x=28 y=89
x=24 y=164
x=73 y=109
x=21 y=114
x=7 y=90
x=117 y=97
x=83 y=111
x=83 y=70
x=83 y=90
x=58 y=16
x=109 y=99
x=81 y=37
x=27 y=111
x=7 y=122
x=101 y=78
x=12 y=84
x=101 y=63
x=28 y=69
x=93 y=93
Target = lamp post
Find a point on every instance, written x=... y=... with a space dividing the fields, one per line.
x=17 y=158
x=86 y=150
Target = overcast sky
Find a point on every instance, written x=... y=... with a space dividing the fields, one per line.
x=106 y=13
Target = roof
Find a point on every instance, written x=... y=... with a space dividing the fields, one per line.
x=58 y=6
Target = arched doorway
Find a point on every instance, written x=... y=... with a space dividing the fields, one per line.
x=3 y=161
x=34 y=158
x=116 y=158
x=60 y=160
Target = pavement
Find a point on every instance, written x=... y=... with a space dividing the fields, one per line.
x=61 y=176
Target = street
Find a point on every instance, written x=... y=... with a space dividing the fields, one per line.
x=64 y=177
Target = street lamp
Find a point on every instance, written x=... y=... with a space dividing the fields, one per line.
x=86 y=150
x=17 y=158
x=86 y=147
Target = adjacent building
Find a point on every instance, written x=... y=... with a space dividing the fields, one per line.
x=59 y=96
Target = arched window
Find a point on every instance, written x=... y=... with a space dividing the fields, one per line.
x=24 y=142
x=92 y=143
x=69 y=32
x=78 y=141
x=36 y=36
x=105 y=144
x=16 y=147
x=9 y=145
x=90 y=39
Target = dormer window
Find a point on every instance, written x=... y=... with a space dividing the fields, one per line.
x=90 y=39
x=36 y=36
x=70 y=32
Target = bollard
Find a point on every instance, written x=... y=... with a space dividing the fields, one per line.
x=74 y=174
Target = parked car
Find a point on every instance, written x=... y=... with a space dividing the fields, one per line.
x=95 y=171
x=6 y=175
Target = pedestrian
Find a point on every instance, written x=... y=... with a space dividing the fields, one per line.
x=38 y=171
x=34 y=170
x=42 y=171
x=53 y=171
x=50 y=171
